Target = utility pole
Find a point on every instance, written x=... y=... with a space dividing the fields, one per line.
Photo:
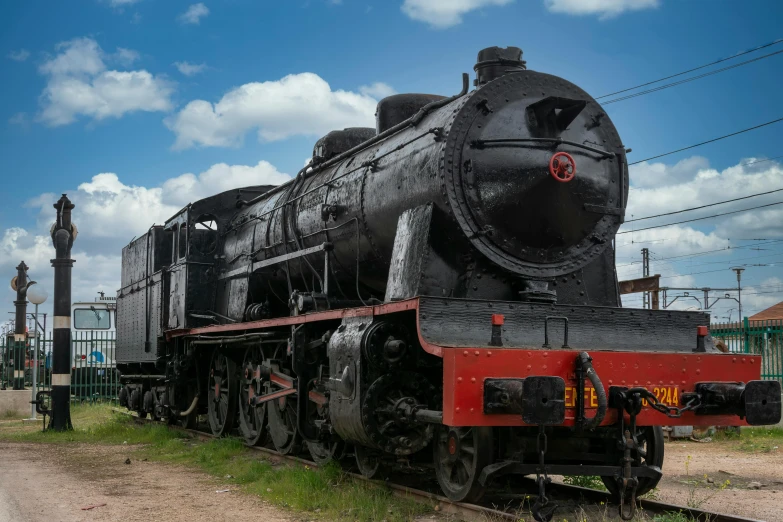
x=646 y=273
x=20 y=336
x=739 y=271
x=63 y=235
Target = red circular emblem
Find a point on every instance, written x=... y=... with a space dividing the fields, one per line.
x=562 y=167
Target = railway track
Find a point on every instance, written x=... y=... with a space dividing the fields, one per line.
x=505 y=506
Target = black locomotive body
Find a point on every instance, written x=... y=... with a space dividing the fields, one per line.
x=436 y=282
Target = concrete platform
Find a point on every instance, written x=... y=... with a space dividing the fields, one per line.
x=16 y=401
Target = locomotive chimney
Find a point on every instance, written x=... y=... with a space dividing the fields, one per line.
x=494 y=62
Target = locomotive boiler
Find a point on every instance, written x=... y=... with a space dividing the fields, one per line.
x=439 y=289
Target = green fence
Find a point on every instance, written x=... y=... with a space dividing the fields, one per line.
x=93 y=373
x=763 y=338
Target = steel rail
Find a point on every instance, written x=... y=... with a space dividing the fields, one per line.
x=475 y=511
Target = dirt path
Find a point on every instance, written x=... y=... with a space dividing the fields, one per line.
x=53 y=483
x=721 y=461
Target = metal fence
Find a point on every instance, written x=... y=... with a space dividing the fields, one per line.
x=93 y=373
x=763 y=338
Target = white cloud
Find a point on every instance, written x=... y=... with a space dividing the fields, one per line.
x=651 y=175
x=125 y=57
x=20 y=55
x=299 y=104
x=377 y=90
x=105 y=202
x=76 y=57
x=20 y=118
x=190 y=69
x=219 y=178
x=441 y=14
x=604 y=8
x=103 y=206
x=761 y=296
x=194 y=14
x=79 y=84
x=661 y=188
x=92 y=272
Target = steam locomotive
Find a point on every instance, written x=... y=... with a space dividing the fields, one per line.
x=439 y=289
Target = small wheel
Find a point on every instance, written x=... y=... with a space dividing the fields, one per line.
x=252 y=418
x=222 y=393
x=650 y=453
x=281 y=416
x=325 y=452
x=460 y=454
x=370 y=463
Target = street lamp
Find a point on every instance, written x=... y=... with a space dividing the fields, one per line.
x=36 y=294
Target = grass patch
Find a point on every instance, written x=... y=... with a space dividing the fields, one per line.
x=9 y=415
x=754 y=439
x=324 y=493
x=585 y=481
x=673 y=516
x=94 y=423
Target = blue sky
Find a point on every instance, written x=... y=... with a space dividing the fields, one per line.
x=139 y=117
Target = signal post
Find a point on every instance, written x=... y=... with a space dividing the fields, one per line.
x=20 y=335
x=63 y=234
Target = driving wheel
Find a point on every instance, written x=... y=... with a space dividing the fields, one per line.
x=252 y=417
x=325 y=451
x=281 y=414
x=222 y=393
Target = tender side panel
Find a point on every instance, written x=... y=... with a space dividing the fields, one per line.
x=134 y=322
x=465 y=322
x=668 y=376
x=134 y=259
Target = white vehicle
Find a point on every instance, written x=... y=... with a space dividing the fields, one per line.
x=93 y=334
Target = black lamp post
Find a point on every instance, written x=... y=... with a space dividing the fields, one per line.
x=20 y=336
x=63 y=234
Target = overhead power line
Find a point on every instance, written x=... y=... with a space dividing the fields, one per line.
x=706 y=206
x=686 y=80
x=708 y=141
x=701 y=218
x=724 y=261
x=751 y=246
x=703 y=253
x=696 y=273
x=776 y=42
x=760 y=161
x=758 y=293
